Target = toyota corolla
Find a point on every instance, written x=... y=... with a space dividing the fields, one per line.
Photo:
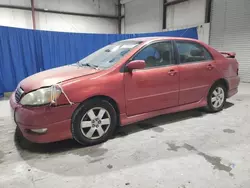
x=122 y=83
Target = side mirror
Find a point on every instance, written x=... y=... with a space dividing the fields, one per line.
x=136 y=64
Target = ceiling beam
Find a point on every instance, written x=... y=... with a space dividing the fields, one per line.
x=168 y=3
x=125 y=1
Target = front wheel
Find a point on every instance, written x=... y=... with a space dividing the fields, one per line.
x=216 y=98
x=94 y=122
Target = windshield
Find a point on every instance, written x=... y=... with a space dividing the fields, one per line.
x=109 y=55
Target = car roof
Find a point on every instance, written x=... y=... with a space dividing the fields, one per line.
x=149 y=39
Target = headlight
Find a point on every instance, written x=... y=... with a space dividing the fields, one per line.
x=41 y=96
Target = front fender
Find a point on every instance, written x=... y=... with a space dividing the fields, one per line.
x=112 y=86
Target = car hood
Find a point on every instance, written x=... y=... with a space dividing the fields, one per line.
x=54 y=76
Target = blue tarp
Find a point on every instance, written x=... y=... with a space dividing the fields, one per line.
x=24 y=52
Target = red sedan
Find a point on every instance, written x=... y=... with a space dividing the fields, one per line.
x=122 y=83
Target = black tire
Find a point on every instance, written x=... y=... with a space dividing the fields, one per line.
x=82 y=110
x=210 y=107
x=21 y=141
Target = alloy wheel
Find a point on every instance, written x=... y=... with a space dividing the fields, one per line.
x=95 y=123
x=218 y=97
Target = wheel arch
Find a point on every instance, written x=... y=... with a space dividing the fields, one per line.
x=222 y=81
x=107 y=98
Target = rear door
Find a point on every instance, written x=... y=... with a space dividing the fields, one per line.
x=197 y=71
x=155 y=87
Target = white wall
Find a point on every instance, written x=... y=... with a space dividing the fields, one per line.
x=68 y=23
x=15 y=18
x=146 y=15
x=204 y=32
x=186 y=14
x=60 y=22
x=143 y=16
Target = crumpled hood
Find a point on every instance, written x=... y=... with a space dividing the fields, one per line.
x=54 y=76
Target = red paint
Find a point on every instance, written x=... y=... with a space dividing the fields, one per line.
x=151 y=89
x=56 y=120
x=139 y=94
x=195 y=80
x=136 y=64
x=229 y=54
x=54 y=76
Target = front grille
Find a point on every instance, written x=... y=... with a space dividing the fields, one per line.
x=18 y=94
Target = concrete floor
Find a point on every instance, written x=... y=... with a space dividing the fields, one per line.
x=184 y=150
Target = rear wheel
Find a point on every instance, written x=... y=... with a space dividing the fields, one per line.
x=216 y=98
x=94 y=122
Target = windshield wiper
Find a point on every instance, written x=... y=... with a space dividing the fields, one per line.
x=89 y=65
x=78 y=64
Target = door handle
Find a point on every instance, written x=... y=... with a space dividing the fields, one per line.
x=210 y=67
x=172 y=72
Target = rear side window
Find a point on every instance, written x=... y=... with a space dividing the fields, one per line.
x=191 y=52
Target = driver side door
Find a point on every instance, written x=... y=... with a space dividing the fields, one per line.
x=155 y=87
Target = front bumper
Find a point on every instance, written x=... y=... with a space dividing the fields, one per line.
x=57 y=121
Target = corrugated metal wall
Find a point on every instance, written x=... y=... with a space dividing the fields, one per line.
x=230 y=31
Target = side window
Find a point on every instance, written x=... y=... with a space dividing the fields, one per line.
x=192 y=52
x=156 y=55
